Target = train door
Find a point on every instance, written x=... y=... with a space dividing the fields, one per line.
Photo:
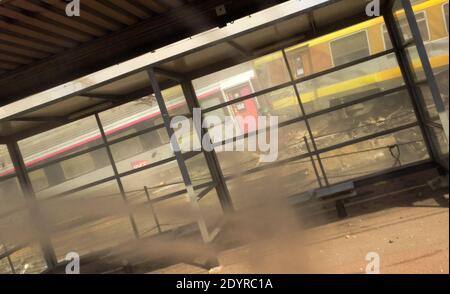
x=245 y=109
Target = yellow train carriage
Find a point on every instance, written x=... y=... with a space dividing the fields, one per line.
x=361 y=40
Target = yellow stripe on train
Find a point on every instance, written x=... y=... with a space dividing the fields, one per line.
x=346 y=31
x=356 y=83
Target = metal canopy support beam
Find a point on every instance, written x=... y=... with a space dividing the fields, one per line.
x=407 y=74
x=113 y=98
x=428 y=70
x=60 y=119
x=116 y=175
x=210 y=156
x=33 y=206
x=169 y=74
x=246 y=53
x=312 y=22
x=178 y=155
x=308 y=127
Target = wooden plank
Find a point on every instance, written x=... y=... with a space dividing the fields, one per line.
x=132 y=7
x=28 y=42
x=89 y=15
x=50 y=38
x=7 y=65
x=22 y=50
x=14 y=58
x=171 y=3
x=8 y=12
x=153 y=6
x=111 y=12
x=59 y=17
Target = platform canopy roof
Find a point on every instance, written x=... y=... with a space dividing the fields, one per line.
x=38 y=38
x=218 y=46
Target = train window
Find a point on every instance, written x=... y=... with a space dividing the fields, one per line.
x=39 y=179
x=126 y=149
x=74 y=168
x=10 y=194
x=54 y=174
x=258 y=74
x=101 y=159
x=336 y=48
x=350 y=83
x=61 y=141
x=350 y=48
x=77 y=171
x=423 y=25
x=421 y=22
x=82 y=164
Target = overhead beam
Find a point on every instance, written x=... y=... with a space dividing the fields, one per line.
x=108 y=97
x=150 y=34
x=40 y=119
x=312 y=22
x=169 y=74
x=321 y=31
x=240 y=49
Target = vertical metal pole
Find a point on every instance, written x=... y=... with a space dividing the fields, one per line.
x=33 y=206
x=426 y=65
x=155 y=217
x=116 y=175
x=210 y=156
x=407 y=74
x=8 y=257
x=316 y=172
x=11 y=265
x=308 y=127
x=177 y=151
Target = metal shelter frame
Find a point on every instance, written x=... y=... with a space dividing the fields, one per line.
x=218 y=182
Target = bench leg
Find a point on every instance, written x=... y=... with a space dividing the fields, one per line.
x=340 y=208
